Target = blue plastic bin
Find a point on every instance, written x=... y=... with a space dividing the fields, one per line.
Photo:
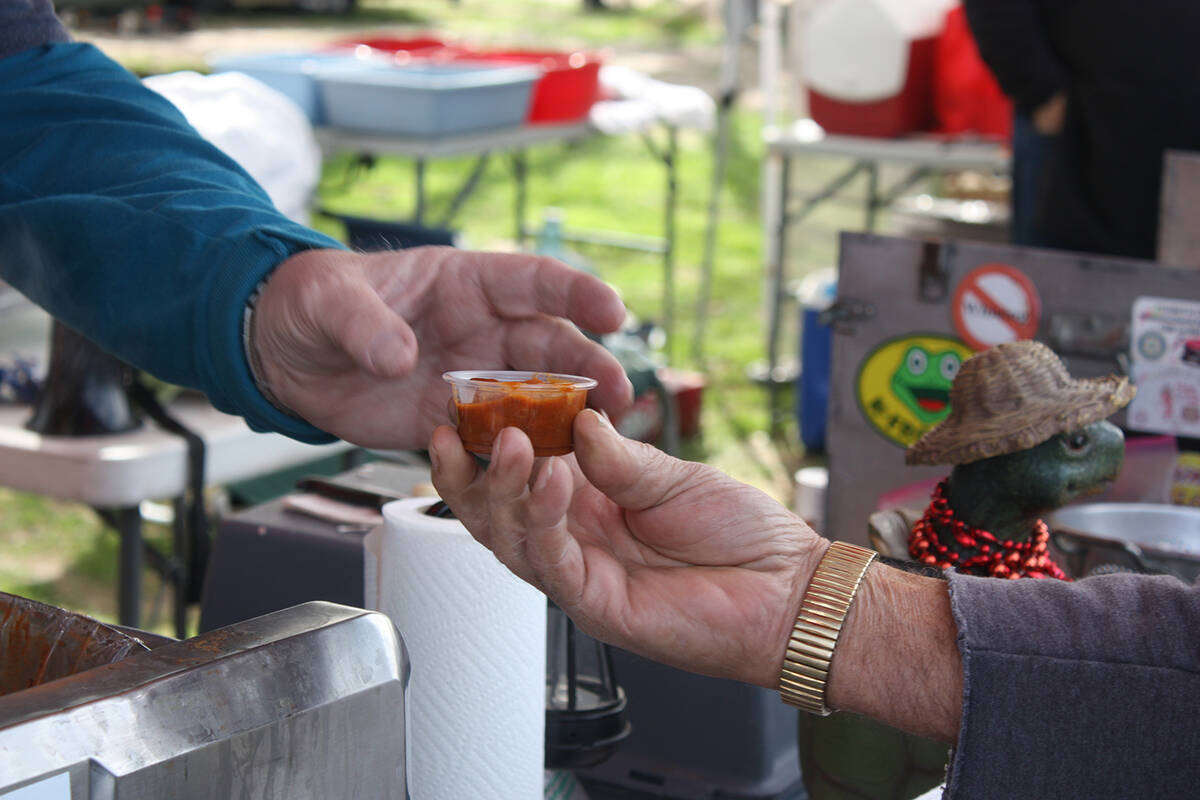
x=816 y=294
x=426 y=100
x=292 y=74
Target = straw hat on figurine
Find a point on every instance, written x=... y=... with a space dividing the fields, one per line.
x=1012 y=397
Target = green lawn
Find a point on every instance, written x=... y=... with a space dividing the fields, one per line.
x=59 y=552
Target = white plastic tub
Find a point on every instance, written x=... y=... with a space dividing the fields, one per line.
x=1151 y=537
x=427 y=99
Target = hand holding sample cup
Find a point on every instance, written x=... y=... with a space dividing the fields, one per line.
x=668 y=558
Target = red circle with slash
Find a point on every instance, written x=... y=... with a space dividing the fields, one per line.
x=995 y=303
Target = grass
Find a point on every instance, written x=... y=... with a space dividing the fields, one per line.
x=60 y=553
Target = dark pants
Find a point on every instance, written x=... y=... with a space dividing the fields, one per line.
x=1031 y=154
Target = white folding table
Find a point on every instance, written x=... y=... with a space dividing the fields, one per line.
x=115 y=473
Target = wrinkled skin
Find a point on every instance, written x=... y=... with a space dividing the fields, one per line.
x=671 y=559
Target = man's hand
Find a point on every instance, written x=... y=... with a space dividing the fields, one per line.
x=668 y=558
x=1048 y=117
x=356 y=343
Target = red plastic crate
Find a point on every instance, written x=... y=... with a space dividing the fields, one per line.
x=687 y=390
x=401 y=50
x=569 y=85
x=393 y=44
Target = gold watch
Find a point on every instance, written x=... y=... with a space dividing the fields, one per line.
x=803 y=679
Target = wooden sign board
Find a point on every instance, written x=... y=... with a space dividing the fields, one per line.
x=898 y=341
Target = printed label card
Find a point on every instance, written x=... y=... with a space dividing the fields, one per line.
x=1164 y=341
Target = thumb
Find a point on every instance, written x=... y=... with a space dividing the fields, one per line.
x=374 y=336
x=632 y=474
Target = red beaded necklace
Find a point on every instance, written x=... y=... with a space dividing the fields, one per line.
x=980 y=552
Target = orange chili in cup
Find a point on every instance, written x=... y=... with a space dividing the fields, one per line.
x=543 y=405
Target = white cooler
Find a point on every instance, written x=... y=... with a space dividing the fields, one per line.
x=868 y=64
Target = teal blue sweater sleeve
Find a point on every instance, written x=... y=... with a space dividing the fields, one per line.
x=121 y=221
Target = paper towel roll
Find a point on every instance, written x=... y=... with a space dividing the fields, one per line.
x=476 y=636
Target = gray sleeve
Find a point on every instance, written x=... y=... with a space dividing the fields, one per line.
x=28 y=23
x=1086 y=689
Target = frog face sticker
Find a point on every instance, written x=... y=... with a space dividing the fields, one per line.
x=922 y=382
x=903 y=385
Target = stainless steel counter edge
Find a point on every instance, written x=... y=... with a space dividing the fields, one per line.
x=188 y=694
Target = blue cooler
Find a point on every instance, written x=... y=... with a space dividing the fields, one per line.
x=816 y=294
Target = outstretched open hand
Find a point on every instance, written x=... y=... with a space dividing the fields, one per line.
x=356 y=343
x=668 y=558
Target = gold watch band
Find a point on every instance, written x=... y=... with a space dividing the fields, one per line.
x=805 y=672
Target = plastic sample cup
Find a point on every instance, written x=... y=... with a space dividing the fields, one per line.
x=542 y=404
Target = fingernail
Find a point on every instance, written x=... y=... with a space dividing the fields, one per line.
x=543 y=477
x=495 y=454
x=433 y=456
x=607 y=420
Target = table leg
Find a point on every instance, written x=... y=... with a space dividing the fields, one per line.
x=129 y=590
x=778 y=215
x=419 y=170
x=893 y=193
x=668 y=155
x=720 y=156
x=520 y=175
x=181 y=548
x=781 y=167
x=670 y=159
x=872 y=194
x=466 y=190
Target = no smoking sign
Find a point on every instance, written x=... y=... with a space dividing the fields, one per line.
x=995 y=303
